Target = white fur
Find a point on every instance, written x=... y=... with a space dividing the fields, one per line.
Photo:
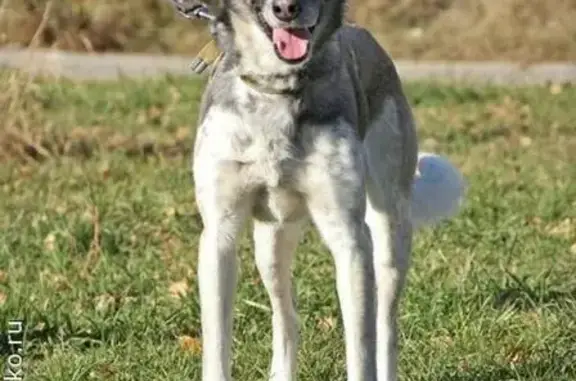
x=254 y=161
x=438 y=190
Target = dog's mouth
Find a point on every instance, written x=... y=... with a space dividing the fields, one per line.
x=291 y=45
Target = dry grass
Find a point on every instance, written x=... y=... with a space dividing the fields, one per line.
x=38 y=120
x=20 y=118
x=521 y=30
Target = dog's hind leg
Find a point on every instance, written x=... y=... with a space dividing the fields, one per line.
x=348 y=239
x=336 y=200
x=275 y=245
x=391 y=151
x=391 y=240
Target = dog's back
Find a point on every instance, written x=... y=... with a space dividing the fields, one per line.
x=376 y=71
x=437 y=187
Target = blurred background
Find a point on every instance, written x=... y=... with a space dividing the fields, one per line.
x=518 y=30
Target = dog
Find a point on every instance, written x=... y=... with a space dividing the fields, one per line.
x=304 y=119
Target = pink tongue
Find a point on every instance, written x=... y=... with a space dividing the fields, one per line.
x=292 y=44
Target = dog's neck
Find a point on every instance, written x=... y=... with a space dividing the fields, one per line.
x=283 y=84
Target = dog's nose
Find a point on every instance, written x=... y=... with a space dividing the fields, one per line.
x=286 y=10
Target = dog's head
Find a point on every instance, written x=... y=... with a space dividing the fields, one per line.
x=281 y=35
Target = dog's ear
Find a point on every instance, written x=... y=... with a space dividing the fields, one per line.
x=331 y=18
x=347 y=13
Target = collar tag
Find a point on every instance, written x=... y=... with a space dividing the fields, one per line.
x=206 y=57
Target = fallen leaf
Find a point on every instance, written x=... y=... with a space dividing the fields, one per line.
x=103 y=302
x=525 y=141
x=105 y=173
x=190 y=344
x=326 y=323
x=50 y=242
x=525 y=110
x=3 y=298
x=87 y=215
x=555 y=89
x=563 y=229
x=179 y=289
x=60 y=209
x=183 y=133
x=118 y=140
x=416 y=33
x=56 y=281
x=443 y=341
x=154 y=113
x=533 y=317
x=94 y=251
x=129 y=299
x=3 y=276
x=537 y=221
x=430 y=143
x=25 y=171
x=105 y=371
x=60 y=282
x=517 y=356
x=176 y=94
x=40 y=326
x=464 y=366
x=573 y=249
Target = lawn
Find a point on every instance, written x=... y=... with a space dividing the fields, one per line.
x=99 y=234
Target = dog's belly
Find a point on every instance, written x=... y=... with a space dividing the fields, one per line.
x=278 y=205
x=275 y=193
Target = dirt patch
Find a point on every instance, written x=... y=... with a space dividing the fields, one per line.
x=519 y=30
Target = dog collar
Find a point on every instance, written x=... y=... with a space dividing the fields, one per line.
x=255 y=84
x=209 y=57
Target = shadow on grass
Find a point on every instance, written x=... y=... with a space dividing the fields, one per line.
x=520 y=294
x=50 y=334
x=19 y=150
x=522 y=299
x=555 y=366
x=5 y=348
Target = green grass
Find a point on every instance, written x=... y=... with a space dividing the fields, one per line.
x=95 y=241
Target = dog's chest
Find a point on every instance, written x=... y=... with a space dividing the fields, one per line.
x=274 y=161
x=260 y=134
x=269 y=141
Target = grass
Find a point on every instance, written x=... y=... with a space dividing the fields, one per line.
x=519 y=30
x=99 y=233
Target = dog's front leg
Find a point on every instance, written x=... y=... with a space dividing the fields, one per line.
x=337 y=201
x=275 y=244
x=224 y=210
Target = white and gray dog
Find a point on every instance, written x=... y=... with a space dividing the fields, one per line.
x=306 y=117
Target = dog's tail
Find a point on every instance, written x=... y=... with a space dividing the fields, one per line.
x=438 y=190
